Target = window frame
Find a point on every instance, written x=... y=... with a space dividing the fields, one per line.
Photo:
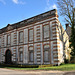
x=8 y=43
x=30 y=60
x=20 y=52
x=20 y=36
x=46 y=49
x=43 y=31
x=0 y=41
x=29 y=35
x=20 y=60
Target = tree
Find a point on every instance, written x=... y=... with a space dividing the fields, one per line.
x=66 y=8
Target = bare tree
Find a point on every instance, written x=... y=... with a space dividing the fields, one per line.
x=67 y=9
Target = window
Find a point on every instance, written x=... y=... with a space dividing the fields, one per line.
x=12 y=36
x=46 y=53
x=21 y=37
x=31 y=35
x=0 y=42
x=8 y=39
x=31 y=56
x=46 y=56
x=46 y=31
x=21 y=55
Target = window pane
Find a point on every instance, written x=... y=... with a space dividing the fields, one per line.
x=46 y=55
x=30 y=35
x=21 y=37
x=8 y=39
x=0 y=41
x=31 y=56
x=12 y=36
x=21 y=56
x=46 y=31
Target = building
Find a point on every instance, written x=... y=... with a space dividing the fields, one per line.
x=37 y=40
x=68 y=30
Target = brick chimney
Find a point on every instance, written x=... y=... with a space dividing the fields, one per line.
x=66 y=25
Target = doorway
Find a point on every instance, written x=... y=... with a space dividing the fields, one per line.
x=8 y=57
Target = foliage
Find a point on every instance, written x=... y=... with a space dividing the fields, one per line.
x=65 y=67
x=72 y=59
x=67 y=9
x=42 y=66
x=66 y=61
x=19 y=66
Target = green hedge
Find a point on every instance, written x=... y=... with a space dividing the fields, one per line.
x=19 y=66
x=24 y=66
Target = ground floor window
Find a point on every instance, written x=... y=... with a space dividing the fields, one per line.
x=46 y=56
x=21 y=55
x=31 y=56
x=46 y=53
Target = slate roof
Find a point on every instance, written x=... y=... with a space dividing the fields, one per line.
x=29 y=21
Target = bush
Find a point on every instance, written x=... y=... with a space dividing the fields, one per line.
x=19 y=66
x=72 y=60
x=42 y=66
x=62 y=64
x=66 y=61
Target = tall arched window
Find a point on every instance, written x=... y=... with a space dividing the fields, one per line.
x=21 y=55
x=31 y=54
x=46 y=53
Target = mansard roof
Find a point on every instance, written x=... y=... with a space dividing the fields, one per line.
x=29 y=21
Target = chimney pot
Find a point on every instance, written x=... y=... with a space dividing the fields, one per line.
x=66 y=25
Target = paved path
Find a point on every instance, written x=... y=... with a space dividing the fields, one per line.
x=15 y=72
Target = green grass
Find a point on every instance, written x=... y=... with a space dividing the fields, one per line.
x=65 y=67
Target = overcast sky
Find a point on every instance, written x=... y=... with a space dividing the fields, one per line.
x=12 y=11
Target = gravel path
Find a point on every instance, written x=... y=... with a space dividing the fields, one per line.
x=18 y=72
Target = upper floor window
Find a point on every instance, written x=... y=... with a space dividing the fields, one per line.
x=0 y=41
x=31 y=35
x=12 y=38
x=46 y=31
x=8 y=39
x=21 y=37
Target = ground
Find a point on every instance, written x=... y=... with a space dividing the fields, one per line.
x=4 y=71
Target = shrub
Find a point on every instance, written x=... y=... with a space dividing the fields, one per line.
x=42 y=66
x=62 y=63
x=19 y=66
x=66 y=61
x=72 y=60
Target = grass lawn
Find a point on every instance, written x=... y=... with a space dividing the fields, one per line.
x=65 y=67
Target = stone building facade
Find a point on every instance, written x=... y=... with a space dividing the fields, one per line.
x=37 y=40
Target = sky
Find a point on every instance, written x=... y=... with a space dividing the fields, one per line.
x=13 y=11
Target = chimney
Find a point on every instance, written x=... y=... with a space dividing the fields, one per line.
x=66 y=25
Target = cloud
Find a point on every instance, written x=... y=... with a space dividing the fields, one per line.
x=49 y=7
x=15 y=1
x=2 y=1
x=18 y=2
x=54 y=6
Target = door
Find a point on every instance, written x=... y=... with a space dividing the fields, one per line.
x=8 y=57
